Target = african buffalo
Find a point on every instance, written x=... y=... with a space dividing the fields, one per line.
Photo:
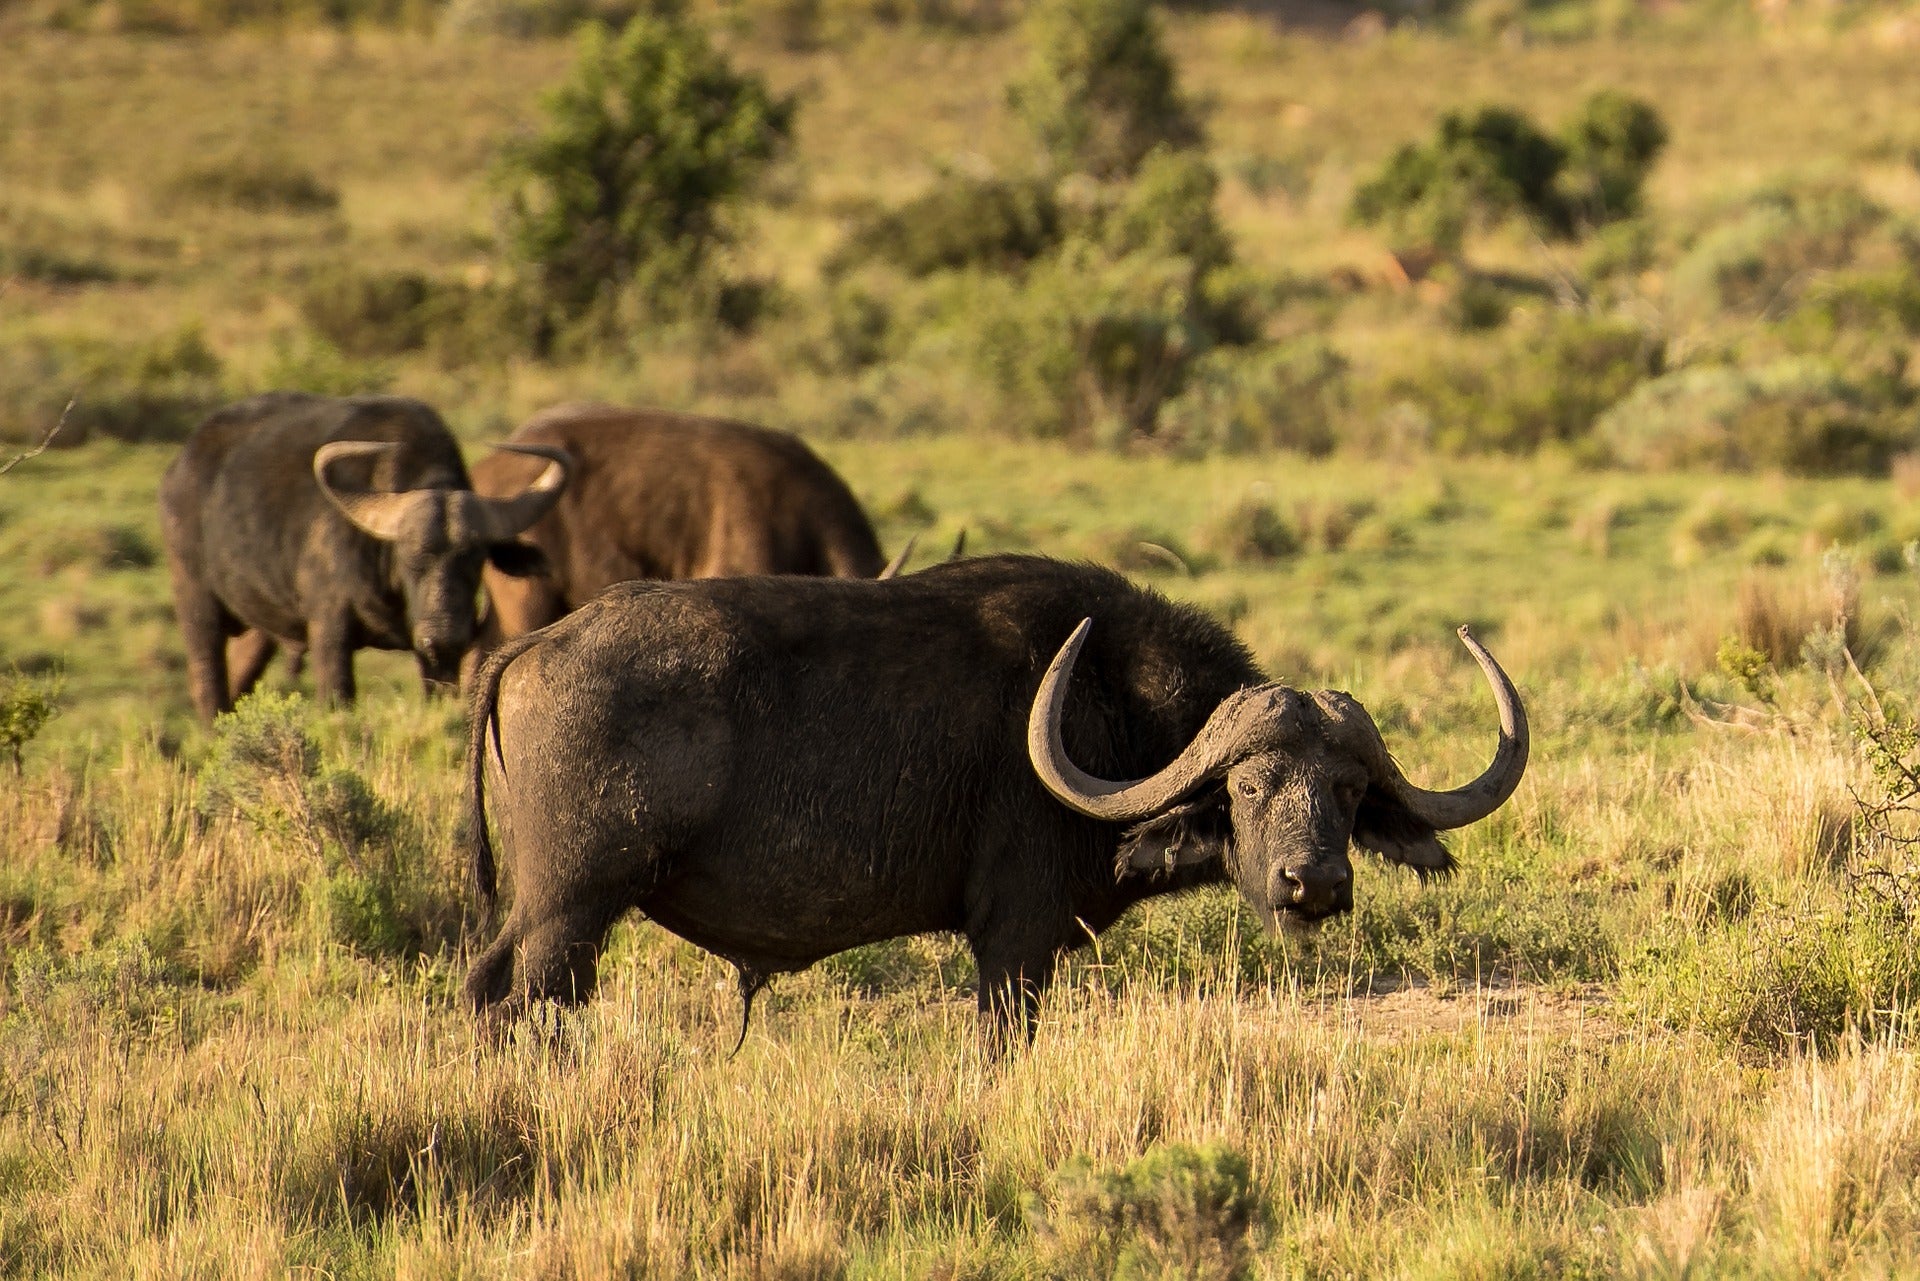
x=777 y=769
x=657 y=494
x=332 y=525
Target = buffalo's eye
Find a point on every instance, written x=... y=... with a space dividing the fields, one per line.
x=1248 y=788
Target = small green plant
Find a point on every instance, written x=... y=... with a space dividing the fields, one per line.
x=1100 y=92
x=267 y=770
x=27 y=703
x=1178 y=1211
x=1748 y=668
x=624 y=195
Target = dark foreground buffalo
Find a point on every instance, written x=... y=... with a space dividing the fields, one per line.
x=779 y=769
x=332 y=525
x=657 y=494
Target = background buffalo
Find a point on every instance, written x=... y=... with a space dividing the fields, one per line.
x=332 y=525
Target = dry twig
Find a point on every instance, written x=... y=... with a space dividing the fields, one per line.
x=45 y=440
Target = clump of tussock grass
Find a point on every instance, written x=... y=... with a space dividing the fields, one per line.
x=1326 y=524
x=1251 y=532
x=1713 y=524
x=255 y=181
x=1776 y=618
x=1178 y=1210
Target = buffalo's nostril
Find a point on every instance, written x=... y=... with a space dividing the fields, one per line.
x=1318 y=891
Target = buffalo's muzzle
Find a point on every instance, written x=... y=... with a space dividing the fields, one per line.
x=1316 y=892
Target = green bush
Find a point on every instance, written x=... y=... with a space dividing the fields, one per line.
x=266 y=769
x=1798 y=415
x=1494 y=162
x=619 y=203
x=1099 y=93
x=995 y=223
x=1480 y=167
x=1533 y=388
x=365 y=315
x=27 y=703
x=1779 y=976
x=848 y=327
x=1178 y=1211
x=1251 y=532
x=1609 y=144
x=308 y=363
x=1281 y=396
x=1760 y=253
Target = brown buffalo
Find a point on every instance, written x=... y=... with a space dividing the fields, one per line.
x=657 y=494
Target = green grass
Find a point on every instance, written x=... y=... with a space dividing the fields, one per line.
x=1656 y=1026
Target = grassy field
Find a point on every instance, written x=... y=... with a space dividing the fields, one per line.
x=1657 y=1026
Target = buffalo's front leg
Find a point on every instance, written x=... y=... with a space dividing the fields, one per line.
x=1011 y=984
x=247 y=656
x=204 y=632
x=328 y=643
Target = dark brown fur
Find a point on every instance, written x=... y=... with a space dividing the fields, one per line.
x=657 y=494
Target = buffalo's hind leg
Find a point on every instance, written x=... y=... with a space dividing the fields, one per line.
x=560 y=953
x=490 y=981
x=540 y=955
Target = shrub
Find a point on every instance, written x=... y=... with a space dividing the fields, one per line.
x=621 y=199
x=1533 y=388
x=1102 y=332
x=1283 y=396
x=996 y=223
x=1177 y=1211
x=1757 y=255
x=266 y=769
x=27 y=703
x=1495 y=162
x=307 y=363
x=369 y=314
x=1798 y=415
x=364 y=315
x=1609 y=145
x=1099 y=93
x=1782 y=976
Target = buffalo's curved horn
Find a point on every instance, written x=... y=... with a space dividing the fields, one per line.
x=959 y=545
x=1473 y=802
x=501 y=520
x=899 y=562
x=1208 y=754
x=378 y=513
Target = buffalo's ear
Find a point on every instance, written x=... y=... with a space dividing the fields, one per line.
x=517 y=559
x=1385 y=826
x=1197 y=832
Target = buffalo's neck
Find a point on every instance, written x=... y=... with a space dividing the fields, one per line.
x=1107 y=904
x=381 y=607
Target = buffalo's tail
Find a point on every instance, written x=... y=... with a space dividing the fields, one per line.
x=481 y=716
